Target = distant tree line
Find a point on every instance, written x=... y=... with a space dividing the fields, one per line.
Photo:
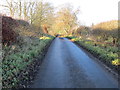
x=44 y=16
x=103 y=32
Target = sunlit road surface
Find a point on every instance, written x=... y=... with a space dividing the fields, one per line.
x=68 y=66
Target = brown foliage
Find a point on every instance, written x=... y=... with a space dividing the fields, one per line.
x=8 y=34
x=45 y=29
x=109 y=25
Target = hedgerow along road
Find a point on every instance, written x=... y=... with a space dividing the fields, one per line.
x=68 y=66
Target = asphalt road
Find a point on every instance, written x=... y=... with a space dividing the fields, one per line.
x=67 y=66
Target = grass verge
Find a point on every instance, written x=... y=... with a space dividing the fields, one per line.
x=106 y=54
x=19 y=62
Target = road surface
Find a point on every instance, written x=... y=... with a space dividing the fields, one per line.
x=67 y=66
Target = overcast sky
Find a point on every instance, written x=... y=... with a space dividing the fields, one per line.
x=91 y=11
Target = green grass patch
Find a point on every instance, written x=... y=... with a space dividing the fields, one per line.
x=107 y=54
x=17 y=58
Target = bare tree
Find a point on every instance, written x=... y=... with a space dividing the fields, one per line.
x=20 y=9
x=65 y=20
x=10 y=6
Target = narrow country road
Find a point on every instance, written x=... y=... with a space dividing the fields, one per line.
x=68 y=66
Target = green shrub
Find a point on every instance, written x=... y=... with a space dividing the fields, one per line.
x=16 y=61
x=108 y=54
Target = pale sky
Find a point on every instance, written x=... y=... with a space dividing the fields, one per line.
x=91 y=11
